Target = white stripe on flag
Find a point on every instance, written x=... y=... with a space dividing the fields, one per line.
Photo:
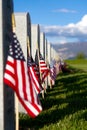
x=9 y=77
x=32 y=108
x=19 y=74
x=44 y=68
x=10 y=68
x=34 y=78
x=10 y=59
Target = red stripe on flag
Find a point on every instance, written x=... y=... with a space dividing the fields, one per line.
x=31 y=89
x=9 y=83
x=38 y=86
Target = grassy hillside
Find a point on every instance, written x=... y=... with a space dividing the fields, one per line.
x=79 y=64
x=64 y=106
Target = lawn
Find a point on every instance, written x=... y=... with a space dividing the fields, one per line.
x=65 y=105
x=78 y=63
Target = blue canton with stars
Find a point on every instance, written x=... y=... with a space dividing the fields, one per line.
x=15 y=50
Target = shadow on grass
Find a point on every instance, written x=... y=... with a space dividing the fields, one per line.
x=67 y=97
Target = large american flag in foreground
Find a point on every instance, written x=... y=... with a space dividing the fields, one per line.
x=16 y=76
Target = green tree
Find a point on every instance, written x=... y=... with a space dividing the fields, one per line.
x=80 y=55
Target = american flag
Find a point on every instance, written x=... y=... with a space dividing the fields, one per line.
x=16 y=77
x=36 y=70
x=52 y=72
x=43 y=68
x=34 y=74
x=35 y=87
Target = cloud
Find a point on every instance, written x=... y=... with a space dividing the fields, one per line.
x=71 y=31
x=63 y=10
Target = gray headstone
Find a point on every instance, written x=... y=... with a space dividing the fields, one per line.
x=49 y=52
x=35 y=39
x=7 y=116
x=45 y=49
x=42 y=44
x=23 y=29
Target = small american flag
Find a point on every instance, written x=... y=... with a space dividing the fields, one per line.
x=52 y=72
x=34 y=74
x=36 y=69
x=35 y=87
x=16 y=77
x=43 y=68
x=44 y=71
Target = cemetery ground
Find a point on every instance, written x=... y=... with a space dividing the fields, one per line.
x=65 y=105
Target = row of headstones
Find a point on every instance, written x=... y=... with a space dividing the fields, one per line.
x=24 y=28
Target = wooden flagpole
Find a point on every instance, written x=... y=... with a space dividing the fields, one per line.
x=16 y=99
x=17 y=113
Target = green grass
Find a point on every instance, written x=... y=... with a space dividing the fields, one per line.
x=64 y=106
x=78 y=63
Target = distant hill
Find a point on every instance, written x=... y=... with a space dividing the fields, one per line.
x=70 y=50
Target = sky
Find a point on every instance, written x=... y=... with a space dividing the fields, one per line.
x=62 y=21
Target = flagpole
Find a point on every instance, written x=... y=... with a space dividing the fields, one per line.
x=17 y=114
x=16 y=99
x=38 y=59
x=28 y=45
